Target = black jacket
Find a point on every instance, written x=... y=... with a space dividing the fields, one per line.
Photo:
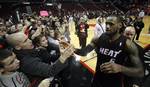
x=139 y=24
x=32 y=64
x=84 y=27
x=34 y=67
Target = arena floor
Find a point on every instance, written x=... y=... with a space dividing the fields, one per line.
x=90 y=59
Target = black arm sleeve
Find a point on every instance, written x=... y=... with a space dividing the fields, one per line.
x=34 y=66
x=84 y=51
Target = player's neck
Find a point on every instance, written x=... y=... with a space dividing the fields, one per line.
x=114 y=37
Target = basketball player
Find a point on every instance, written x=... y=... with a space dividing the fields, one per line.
x=112 y=49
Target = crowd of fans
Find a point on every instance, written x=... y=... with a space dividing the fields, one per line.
x=38 y=47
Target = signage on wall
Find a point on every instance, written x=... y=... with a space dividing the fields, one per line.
x=44 y=13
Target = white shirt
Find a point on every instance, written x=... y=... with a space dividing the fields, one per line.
x=17 y=79
x=142 y=14
x=99 y=29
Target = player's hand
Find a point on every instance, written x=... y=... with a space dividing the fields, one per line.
x=66 y=50
x=110 y=67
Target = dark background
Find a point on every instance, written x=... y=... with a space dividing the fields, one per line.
x=8 y=7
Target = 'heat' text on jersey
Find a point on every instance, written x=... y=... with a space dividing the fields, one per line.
x=109 y=52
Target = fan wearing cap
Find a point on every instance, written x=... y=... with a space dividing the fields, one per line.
x=31 y=63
